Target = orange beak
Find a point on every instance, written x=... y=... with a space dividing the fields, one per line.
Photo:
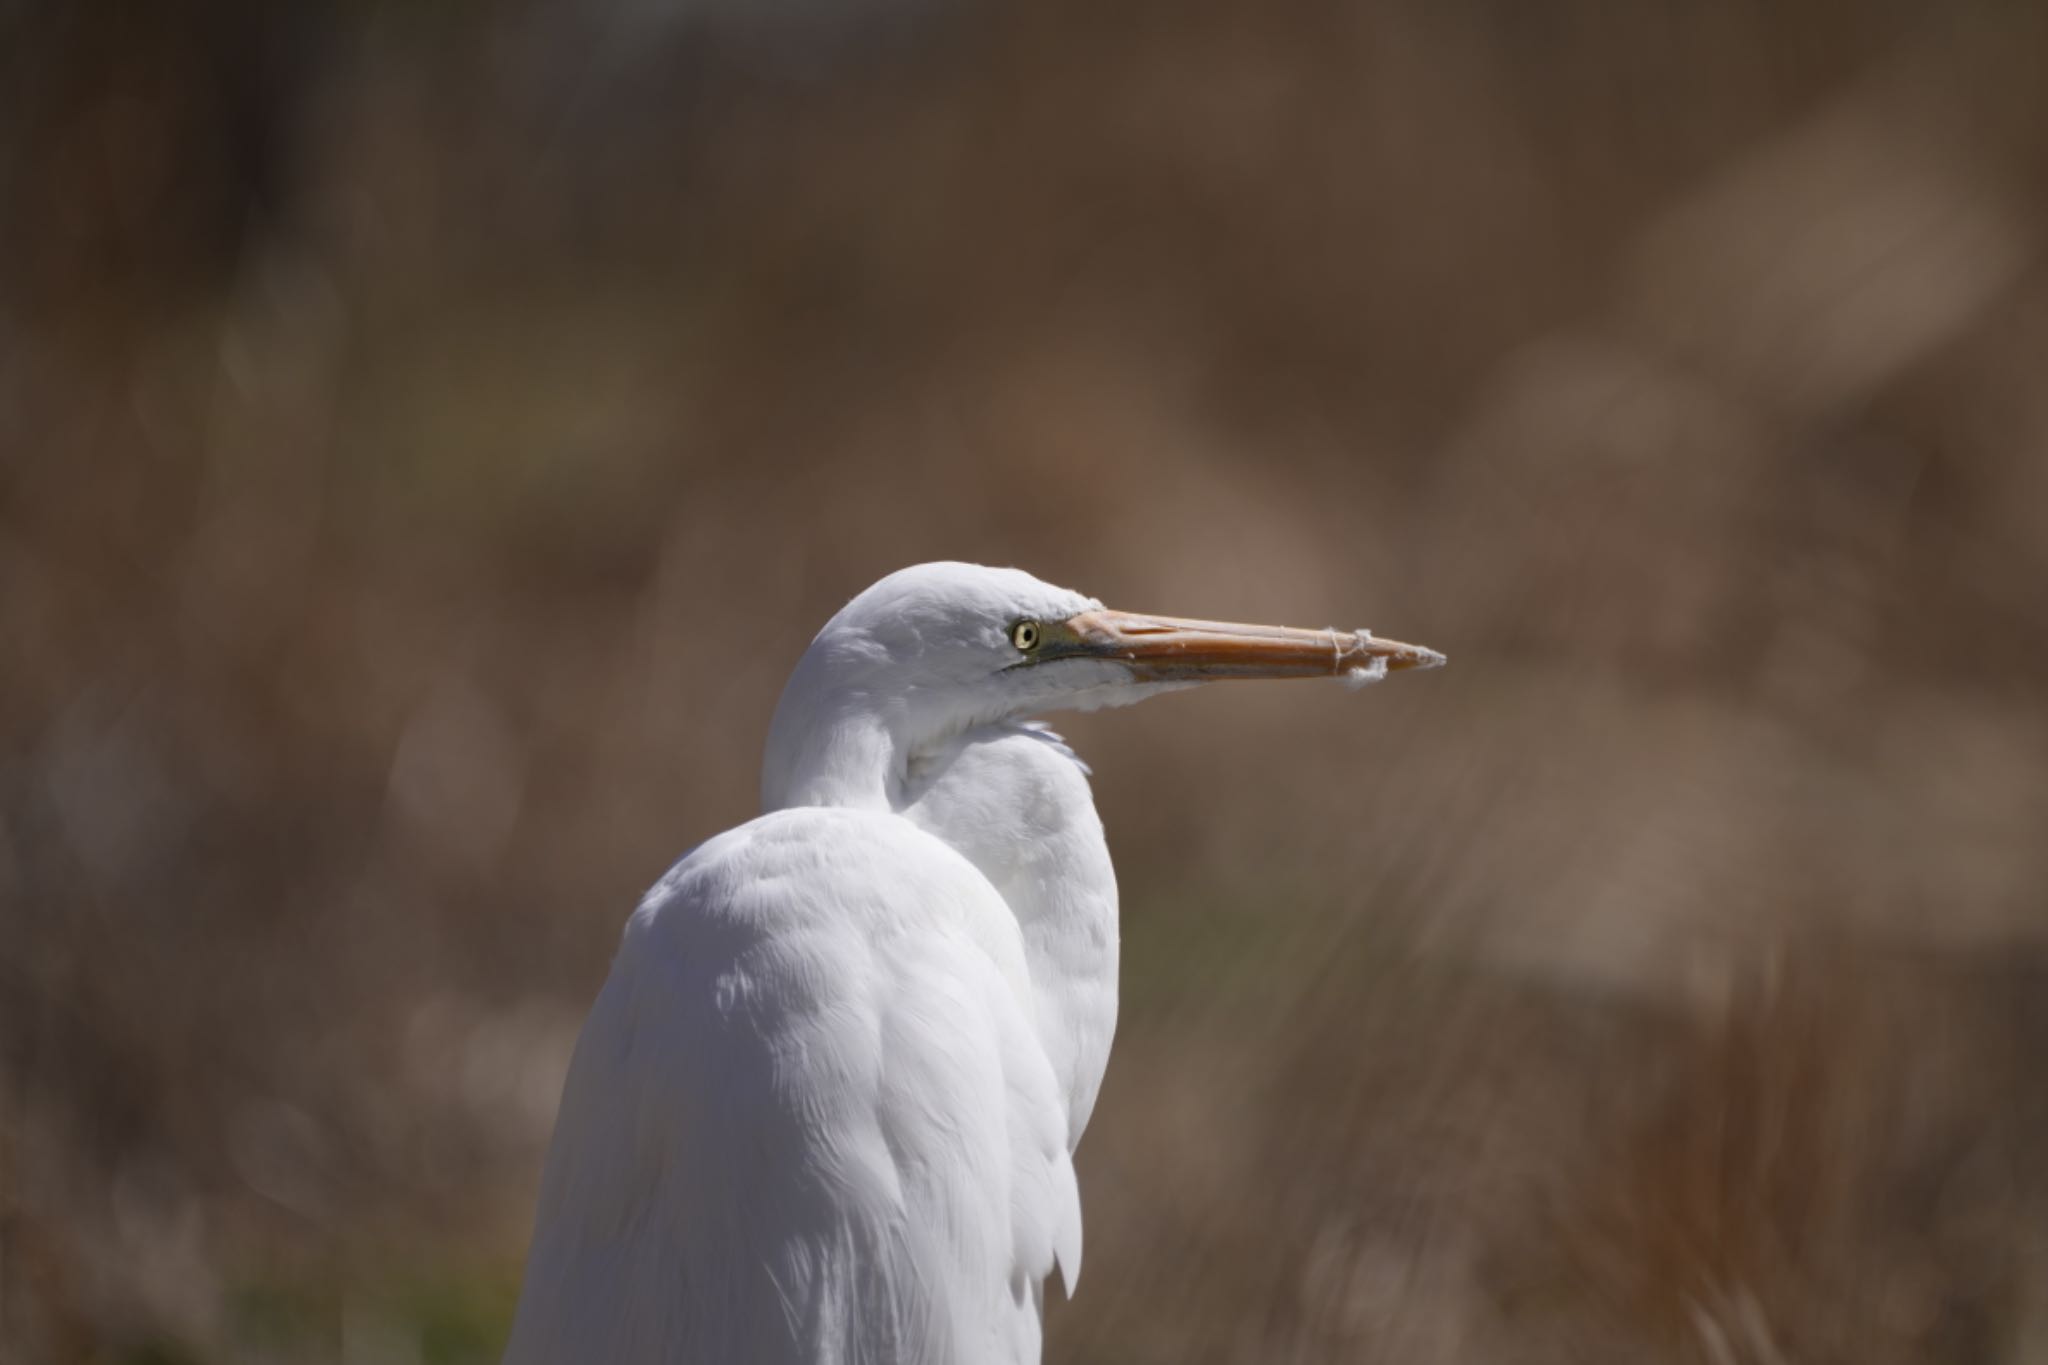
x=1172 y=649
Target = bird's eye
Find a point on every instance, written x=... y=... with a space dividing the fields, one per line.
x=1025 y=635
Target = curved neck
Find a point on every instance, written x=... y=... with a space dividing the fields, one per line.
x=847 y=736
x=839 y=754
x=1014 y=801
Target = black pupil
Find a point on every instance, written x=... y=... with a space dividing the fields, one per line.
x=1027 y=636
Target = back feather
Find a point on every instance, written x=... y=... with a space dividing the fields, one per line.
x=809 y=1121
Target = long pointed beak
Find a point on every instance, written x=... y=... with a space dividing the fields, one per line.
x=1172 y=649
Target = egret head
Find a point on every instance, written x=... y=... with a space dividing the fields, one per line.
x=935 y=649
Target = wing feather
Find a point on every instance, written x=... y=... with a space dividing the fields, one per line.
x=809 y=1119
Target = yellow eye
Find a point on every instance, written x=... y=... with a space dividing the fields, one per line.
x=1025 y=635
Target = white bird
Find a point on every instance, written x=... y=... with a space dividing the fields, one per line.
x=824 y=1109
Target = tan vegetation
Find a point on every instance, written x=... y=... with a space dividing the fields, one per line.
x=429 y=433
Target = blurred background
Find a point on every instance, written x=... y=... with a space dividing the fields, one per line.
x=430 y=432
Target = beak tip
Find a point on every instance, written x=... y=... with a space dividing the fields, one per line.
x=1401 y=656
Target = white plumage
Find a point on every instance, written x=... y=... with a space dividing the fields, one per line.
x=824 y=1109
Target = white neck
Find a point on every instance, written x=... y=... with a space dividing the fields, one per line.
x=1012 y=800
x=845 y=756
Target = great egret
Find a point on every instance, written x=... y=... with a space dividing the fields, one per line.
x=823 y=1109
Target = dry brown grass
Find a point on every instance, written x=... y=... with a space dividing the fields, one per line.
x=427 y=437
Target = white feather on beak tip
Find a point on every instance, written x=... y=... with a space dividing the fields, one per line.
x=1365 y=675
x=824 y=1108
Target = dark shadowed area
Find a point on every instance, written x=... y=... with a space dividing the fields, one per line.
x=430 y=432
